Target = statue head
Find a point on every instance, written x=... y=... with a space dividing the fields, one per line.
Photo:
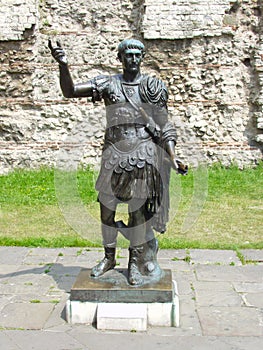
x=131 y=53
x=130 y=45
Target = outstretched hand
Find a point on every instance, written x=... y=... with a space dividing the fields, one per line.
x=58 y=53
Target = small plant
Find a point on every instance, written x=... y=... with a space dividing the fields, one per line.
x=187 y=259
x=47 y=270
x=176 y=259
x=60 y=254
x=28 y=284
x=35 y=301
x=79 y=252
x=241 y=257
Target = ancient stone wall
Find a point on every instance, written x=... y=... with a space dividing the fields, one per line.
x=209 y=53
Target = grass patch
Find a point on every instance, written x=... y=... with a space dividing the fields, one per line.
x=231 y=216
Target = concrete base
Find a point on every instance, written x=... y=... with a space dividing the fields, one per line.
x=125 y=316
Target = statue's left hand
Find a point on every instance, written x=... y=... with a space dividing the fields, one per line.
x=58 y=53
x=179 y=167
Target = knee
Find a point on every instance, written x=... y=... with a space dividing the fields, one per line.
x=136 y=218
x=107 y=219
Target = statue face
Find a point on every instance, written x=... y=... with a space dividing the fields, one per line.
x=131 y=60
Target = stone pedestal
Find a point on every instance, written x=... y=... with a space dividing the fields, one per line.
x=111 y=303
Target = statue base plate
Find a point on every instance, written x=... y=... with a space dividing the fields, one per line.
x=112 y=304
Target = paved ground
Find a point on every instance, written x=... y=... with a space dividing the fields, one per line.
x=221 y=301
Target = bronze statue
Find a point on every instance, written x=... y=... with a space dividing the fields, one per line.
x=138 y=154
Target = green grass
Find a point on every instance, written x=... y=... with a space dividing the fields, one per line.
x=48 y=208
x=231 y=217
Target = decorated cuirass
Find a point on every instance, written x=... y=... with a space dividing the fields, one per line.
x=132 y=161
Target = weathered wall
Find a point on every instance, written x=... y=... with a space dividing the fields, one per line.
x=208 y=52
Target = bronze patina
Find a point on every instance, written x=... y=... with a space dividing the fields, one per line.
x=138 y=154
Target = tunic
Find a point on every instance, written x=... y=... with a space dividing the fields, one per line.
x=133 y=162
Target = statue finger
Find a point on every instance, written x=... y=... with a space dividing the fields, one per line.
x=58 y=52
x=50 y=44
x=58 y=44
x=59 y=55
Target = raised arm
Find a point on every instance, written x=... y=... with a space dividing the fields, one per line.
x=69 y=89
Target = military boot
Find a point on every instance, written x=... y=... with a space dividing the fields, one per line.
x=134 y=275
x=106 y=264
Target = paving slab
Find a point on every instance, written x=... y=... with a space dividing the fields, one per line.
x=231 y=321
x=254 y=300
x=7 y=270
x=208 y=256
x=58 y=314
x=158 y=341
x=59 y=269
x=248 y=287
x=176 y=254
x=185 y=281
x=25 y=315
x=253 y=254
x=220 y=305
x=68 y=260
x=39 y=259
x=44 y=340
x=175 y=265
x=23 y=284
x=45 y=251
x=7 y=343
x=212 y=286
x=14 y=256
x=218 y=298
x=248 y=273
x=189 y=321
x=5 y=300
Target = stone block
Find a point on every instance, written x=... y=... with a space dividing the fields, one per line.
x=161 y=315
x=117 y=316
x=124 y=316
x=78 y=312
x=113 y=304
x=259 y=138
